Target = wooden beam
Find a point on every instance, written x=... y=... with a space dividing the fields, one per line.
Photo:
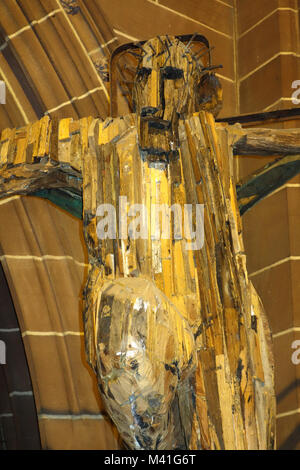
x=273 y=142
x=266 y=180
x=265 y=141
x=260 y=118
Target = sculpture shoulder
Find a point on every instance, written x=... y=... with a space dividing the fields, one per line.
x=62 y=141
x=46 y=142
x=111 y=130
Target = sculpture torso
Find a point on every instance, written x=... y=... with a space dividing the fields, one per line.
x=178 y=338
x=143 y=195
x=208 y=287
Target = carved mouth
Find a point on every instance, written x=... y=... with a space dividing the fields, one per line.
x=157 y=123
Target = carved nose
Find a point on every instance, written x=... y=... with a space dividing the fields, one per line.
x=148 y=111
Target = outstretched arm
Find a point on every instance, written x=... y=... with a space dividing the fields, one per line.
x=44 y=157
x=284 y=143
x=264 y=181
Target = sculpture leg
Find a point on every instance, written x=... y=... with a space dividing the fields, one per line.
x=145 y=352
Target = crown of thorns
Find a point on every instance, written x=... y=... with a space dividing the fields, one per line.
x=122 y=72
x=186 y=41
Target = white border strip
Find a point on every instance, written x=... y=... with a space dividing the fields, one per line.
x=225 y=78
x=284 y=186
x=225 y=4
x=43 y=258
x=274 y=265
x=99 y=49
x=8 y=199
x=267 y=62
x=283 y=98
x=13 y=94
x=265 y=18
x=288 y=413
x=9 y=330
x=286 y=332
x=131 y=38
x=190 y=19
x=52 y=333
x=70 y=417
x=75 y=98
x=18 y=393
x=27 y=27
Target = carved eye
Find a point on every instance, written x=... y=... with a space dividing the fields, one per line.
x=172 y=73
x=143 y=73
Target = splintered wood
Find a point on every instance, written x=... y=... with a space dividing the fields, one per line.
x=45 y=154
x=149 y=299
x=174 y=331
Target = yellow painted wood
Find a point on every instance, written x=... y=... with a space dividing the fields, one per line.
x=44 y=140
x=64 y=129
x=161 y=322
x=34 y=138
x=5 y=138
x=21 y=151
x=154 y=88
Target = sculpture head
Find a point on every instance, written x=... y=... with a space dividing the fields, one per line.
x=166 y=88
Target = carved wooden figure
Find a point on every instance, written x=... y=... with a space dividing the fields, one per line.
x=174 y=329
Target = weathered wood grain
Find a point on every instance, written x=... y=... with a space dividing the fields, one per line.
x=209 y=287
x=41 y=156
x=175 y=333
x=264 y=181
x=256 y=141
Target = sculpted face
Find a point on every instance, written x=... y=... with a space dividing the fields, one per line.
x=163 y=92
x=170 y=83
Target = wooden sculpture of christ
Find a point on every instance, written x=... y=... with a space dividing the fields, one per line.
x=174 y=330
